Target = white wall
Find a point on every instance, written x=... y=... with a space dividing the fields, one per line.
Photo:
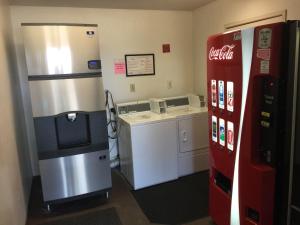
x=122 y=32
x=211 y=19
x=15 y=171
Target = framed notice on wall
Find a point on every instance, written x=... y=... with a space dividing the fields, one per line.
x=140 y=65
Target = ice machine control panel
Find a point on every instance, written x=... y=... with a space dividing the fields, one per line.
x=94 y=64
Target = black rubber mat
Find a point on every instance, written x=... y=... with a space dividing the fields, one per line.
x=176 y=202
x=99 y=217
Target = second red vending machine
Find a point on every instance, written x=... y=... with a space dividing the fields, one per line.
x=244 y=78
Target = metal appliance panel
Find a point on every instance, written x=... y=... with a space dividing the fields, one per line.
x=60 y=49
x=52 y=97
x=154 y=148
x=193 y=133
x=75 y=175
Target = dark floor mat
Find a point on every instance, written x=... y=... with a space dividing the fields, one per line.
x=99 y=217
x=176 y=202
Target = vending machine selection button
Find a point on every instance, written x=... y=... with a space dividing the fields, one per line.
x=214 y=93
x=221 y=94
x=265 y=124
x=230 y=135
x=222 y=132
x=214 y=128
x=266 y=114
x=230 y=96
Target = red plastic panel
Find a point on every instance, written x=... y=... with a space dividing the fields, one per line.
x=256 y=178
x=223 y=68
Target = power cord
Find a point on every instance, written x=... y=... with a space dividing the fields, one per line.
x=112 y=122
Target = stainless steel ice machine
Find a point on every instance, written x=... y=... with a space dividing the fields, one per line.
x=68 y=105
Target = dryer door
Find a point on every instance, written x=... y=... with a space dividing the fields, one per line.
x=193 y=133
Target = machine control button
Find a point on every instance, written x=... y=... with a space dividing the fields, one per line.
x=265 y=124
x=266 y=114
x=94 y=64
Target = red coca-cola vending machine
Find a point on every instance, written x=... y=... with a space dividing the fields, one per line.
x=244 y=79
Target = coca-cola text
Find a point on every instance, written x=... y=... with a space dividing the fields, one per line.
x=224 y=53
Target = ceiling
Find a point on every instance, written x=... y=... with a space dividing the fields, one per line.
x=118 y=4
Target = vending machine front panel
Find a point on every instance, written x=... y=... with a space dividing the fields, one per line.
x=243 y=78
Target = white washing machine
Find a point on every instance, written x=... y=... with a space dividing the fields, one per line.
x=192 y=125
x=147 y=145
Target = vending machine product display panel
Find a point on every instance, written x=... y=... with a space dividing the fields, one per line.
x=243 y=82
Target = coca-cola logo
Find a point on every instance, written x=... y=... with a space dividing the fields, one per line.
x=224 y=53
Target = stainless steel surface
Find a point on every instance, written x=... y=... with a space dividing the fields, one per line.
x=70 y=176
x=60 y=49
x=295 y=208
x=52 y=97
x=293 y=127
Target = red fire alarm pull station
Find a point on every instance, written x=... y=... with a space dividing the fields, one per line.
x=166 y=48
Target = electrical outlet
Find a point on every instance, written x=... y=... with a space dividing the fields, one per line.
x=170 y=85
x=132 y=87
